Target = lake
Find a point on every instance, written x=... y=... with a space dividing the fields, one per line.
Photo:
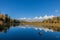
x=28 y=33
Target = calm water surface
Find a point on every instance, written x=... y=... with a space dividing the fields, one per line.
x=18 y=33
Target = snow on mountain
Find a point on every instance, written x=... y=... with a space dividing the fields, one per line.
x=47 y=17
x=38 y=19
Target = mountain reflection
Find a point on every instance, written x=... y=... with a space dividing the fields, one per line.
x=6 y=22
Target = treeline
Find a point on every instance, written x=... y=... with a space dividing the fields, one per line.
x=6 y=22
x=53 y=20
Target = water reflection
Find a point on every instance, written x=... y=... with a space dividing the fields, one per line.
x=6 y=26
x=20 y=33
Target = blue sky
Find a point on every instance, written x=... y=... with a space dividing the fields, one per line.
x=30 y=8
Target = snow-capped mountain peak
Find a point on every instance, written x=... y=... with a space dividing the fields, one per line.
x=37 y=18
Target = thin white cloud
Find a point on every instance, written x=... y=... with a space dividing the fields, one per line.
x=56 y=10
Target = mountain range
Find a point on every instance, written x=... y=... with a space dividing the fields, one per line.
x=36 y=19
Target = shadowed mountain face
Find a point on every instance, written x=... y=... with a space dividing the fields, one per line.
x=6 y=22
